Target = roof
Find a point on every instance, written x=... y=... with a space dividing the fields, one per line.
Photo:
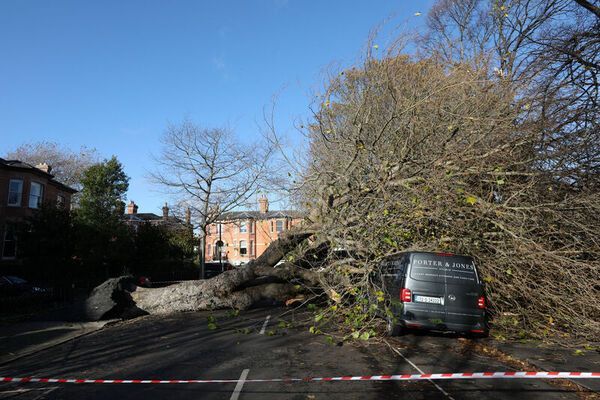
x=18 y=165
x=235 y=215
x=148 y=217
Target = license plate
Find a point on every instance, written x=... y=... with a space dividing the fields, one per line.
x=428 y=299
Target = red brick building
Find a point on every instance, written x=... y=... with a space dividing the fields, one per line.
x=247 y=234
x=23 y=189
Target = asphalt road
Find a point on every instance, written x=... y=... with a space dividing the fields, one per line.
x=189 y=346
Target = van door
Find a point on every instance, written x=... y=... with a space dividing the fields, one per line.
x=447 y=286
x=427 y=290
x=462 y=292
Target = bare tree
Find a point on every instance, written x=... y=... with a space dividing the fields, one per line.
x=67 y=165
x=549 y=52
x=210 y=171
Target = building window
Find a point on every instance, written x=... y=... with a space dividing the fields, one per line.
x=251 y=223
x=252 y=247
x=60 y=201
x=9 y=244
x=243 y=248
x=36 y=195
x=272 y=228
x=208 y=249
x=279 y=225
x=15 y=192
x=243 y=227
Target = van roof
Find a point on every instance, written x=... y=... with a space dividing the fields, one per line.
x=437 y=253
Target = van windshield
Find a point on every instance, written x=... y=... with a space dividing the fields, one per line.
x=438 y=268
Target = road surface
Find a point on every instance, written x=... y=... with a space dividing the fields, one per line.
x=252 y=345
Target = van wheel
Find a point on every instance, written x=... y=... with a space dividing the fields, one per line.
x=393 y=329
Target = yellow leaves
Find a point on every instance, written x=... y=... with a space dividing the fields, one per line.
x=471 y=200
x=417 y=14
x=379 y=295
x=376 y=46
x=327 y=103
x=488 y=279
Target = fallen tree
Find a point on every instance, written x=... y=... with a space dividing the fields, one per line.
x=238 y=288
x=418 y=153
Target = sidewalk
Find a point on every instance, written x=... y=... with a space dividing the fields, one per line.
x=19 y=339
x=556 y=358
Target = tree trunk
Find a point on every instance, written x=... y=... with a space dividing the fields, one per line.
x=202 y=253
x=227 y=290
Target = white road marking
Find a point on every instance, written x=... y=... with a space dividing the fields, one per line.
x=43 y=395
x=262 y=330
x=438 y=387
x=239 y=385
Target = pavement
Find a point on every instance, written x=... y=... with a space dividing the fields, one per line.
x=19 y=339
x=260 y=343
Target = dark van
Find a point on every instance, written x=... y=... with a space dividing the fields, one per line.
x=434 y=291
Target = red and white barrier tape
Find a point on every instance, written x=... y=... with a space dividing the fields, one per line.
x=405 y=377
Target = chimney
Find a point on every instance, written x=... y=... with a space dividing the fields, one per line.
x=165 y=211
x=263 y=204
x=188 y=216
x=132 y=208
x=44 y=167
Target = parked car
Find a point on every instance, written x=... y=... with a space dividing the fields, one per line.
x=212 y=269
x=13 y=286
x=433 y=291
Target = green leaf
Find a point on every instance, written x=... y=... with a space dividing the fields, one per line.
x=318 y=317
x=212 y=326
x=365 y=336
x=283 y=324
x=355 y=334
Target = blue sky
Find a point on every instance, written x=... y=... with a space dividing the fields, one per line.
x=112 y=74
